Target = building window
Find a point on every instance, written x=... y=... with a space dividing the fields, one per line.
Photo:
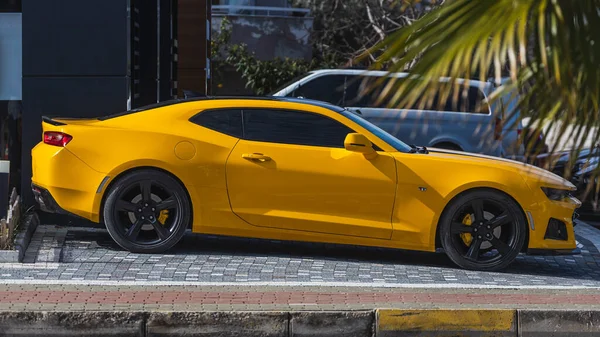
x=10 y=6
x=11 y=86
x=10 y=56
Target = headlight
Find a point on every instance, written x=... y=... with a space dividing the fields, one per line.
x=556 y=194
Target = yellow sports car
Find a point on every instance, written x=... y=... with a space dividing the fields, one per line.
x=294 y=169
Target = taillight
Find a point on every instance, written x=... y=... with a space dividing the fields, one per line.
x=56 y=138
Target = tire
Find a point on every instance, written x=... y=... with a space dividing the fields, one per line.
x=147 y=211
x=448 y=146
x=490 y=211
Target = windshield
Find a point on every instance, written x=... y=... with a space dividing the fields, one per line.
x=383 y=135
x=288 y=83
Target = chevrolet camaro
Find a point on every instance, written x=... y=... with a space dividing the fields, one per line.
x=294 y=169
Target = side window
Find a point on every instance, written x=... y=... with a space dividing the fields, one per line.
x=227 y=121
x=294 y=127
x=476 y=101
x=353 y=86
x=327 y=88
x=473 y=102
x=364 y=92
x=360 y=93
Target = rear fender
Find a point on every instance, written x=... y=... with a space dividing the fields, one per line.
x=105 y=185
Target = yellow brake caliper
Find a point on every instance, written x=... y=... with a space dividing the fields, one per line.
x=466 y=237
x=162 y=217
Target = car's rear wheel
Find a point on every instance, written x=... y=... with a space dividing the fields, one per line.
x=147 y=211
x=483 y=230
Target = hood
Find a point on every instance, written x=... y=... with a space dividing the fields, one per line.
x=532 y=174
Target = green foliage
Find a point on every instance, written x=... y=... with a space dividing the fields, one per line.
x=547 y=49
x=341 y=31
x=261 y=76
x=344 y=29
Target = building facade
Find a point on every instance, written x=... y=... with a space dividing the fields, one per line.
x=92 y=58
x=11 y=93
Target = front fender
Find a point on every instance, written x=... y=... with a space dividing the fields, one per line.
x=428 y=183
x=516 y=195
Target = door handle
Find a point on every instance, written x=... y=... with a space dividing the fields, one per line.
x=256 y=157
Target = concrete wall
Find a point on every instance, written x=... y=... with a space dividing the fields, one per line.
x=270 y=36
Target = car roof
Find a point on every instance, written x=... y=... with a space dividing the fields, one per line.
x=364 y=72
x=320 y=104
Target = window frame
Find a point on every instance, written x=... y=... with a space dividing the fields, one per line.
x=243 y=128
x=17 y=7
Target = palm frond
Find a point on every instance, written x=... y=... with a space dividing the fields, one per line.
x=547 y=51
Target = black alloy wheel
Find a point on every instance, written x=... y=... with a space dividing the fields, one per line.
x=147 y=211
x=493 y=235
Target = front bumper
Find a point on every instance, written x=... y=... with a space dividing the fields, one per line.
x=552 y=226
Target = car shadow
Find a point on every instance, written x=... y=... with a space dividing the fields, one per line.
x=198 y=244
x=583 y=267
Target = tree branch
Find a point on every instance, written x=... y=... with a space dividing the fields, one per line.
x=372 y=20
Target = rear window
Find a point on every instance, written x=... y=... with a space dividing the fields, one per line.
x=227 y=121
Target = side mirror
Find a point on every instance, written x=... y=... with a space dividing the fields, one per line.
x=356 y=142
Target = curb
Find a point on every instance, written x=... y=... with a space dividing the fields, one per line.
x=558 y=323
x=30 y=223
x=371 y=323
x=22 y=240
x=446 y=323
x=72 y=324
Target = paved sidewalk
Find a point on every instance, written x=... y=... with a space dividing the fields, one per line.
x=77 y=281
x=68 y=254
x=252 y=298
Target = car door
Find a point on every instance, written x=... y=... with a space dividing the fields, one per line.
x=291 y=171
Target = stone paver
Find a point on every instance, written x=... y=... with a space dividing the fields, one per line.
x=87 y=254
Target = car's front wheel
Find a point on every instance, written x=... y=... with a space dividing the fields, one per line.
x=147 y=211
x=483 y=230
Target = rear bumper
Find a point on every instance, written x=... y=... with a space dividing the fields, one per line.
x=45 y=200
x=62 y=183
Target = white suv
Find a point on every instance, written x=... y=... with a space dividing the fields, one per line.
x=467 y=129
